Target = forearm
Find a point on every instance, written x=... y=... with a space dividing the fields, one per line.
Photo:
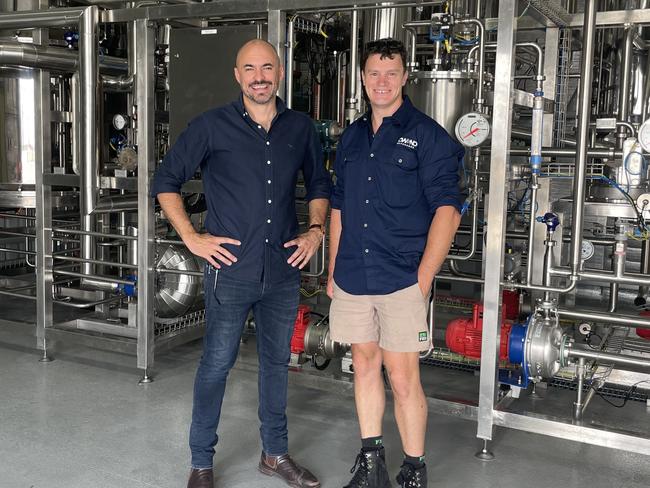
x=172 y=205
x=441 y=234
x=334 y=238
x=318 y=211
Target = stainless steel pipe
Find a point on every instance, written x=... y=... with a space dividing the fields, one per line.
x=605 y=318
x=584 y=108
x=619 y=359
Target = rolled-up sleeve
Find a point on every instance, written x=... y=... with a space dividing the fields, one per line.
x=183 y=159
x=339 y=172
x=439 y=165
x=317 y=179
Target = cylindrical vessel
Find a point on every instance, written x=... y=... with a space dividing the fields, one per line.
x=176 y=293
x=442 y=95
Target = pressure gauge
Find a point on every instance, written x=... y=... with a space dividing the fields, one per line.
x=472 y=129
x=644 y=135
x=120 y=121
x=587 y=250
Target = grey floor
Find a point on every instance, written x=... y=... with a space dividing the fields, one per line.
x=82 y=421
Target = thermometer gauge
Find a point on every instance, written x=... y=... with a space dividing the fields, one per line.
x=644 y=135
x=587 y=250
x=472 y=129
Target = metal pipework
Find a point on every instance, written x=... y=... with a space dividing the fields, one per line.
x=625 y=74
x=339 y=87
x=474 y=230
x=618 y=264
x=623 y=279
x=492 y=46
x=479 y=92
x=578 y=405
x=605 y=318
x=412 y=64
x=117 y=203
x=592 y=152
x=60 y=17
x=56 y=59
x=620 y=359
x=352 y=102
x=289 y=71
x=584 y=108
x=117 y=83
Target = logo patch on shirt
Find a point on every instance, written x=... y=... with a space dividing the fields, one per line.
x=406 y=142
x=422 y=336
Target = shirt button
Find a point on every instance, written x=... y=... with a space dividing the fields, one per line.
x=268 y=221
x=268 y=143
x=266 y=240
x=367 y=201
x=269 y=201
x=268 y=181
x=399 y=160
x=365 y=225
x=372 y=155
x=369 y=178
x=268 y=162
x=366 y=251
x=259 y=126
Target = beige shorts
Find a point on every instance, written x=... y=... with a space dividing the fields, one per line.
x=397 y=321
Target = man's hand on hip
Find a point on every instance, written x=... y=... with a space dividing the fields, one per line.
x=210 y=248
x=307 y=244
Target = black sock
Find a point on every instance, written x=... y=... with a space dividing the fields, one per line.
x=372 y=443
x=416 y=461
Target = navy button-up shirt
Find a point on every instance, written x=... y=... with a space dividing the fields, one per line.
x=388 y=187
x=249 y=180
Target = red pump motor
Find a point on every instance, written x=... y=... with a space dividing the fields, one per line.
x=464 y=335
x=299 y=328
x=645 y=333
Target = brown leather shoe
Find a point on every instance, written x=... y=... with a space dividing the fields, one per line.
x=287 y=469
x=201 y=478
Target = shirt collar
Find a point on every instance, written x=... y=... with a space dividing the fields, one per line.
x=401 y=115
x=280 y=106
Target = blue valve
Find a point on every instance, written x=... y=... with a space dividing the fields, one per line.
x=550 y=219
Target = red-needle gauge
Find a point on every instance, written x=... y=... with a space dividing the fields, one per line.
x=472 y=129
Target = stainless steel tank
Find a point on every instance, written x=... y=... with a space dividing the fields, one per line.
x=442 y=95
x=176 y=294
x=17 y=127
x=385 y=22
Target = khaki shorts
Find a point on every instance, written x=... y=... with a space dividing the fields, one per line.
x=397 y=321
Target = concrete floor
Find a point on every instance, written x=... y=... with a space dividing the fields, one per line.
x=82 y=421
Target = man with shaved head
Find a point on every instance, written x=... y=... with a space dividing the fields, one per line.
x=250 y=153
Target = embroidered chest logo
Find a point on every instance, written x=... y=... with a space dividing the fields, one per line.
x=406 y=142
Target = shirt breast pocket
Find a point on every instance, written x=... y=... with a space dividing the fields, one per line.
x=398 y=178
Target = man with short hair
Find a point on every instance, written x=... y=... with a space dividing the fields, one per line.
x=395 y=210
x=250 y=153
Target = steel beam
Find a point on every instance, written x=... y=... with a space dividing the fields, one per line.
x=277 y=36
x=43 y=163
x=145 y=84
x=495 y=241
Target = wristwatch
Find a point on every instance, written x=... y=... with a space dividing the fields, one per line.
x=320 y=227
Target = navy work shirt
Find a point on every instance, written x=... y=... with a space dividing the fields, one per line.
x=388 y=187
x=249 y=180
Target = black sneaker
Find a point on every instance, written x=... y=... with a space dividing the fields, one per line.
x=409 y=477
x=370 y=469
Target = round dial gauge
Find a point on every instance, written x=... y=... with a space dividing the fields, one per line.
x=587 y=250
x=472 y=129
x=644 y=135
x=120 y=121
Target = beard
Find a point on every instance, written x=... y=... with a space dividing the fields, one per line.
x=260 y=98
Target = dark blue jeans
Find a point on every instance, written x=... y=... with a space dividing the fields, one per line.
x=227 y=303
